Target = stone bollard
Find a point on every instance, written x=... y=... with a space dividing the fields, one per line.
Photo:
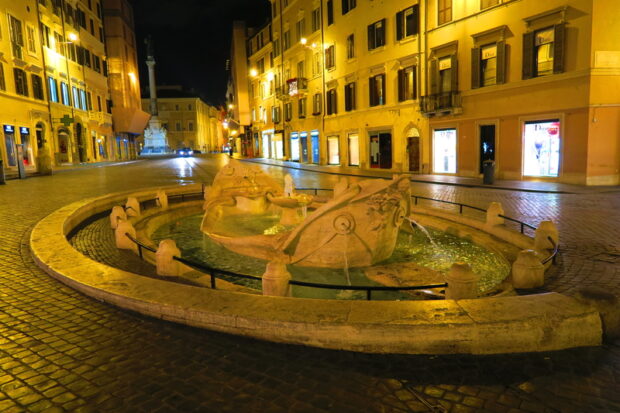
x=462 y=282
x=493 y=214
x=162 y=199
x=163 y=258
x=122 y=241
x=275 y=280
x=132 y=207
x=546 y=229
x=117 y=214
x=527 y=270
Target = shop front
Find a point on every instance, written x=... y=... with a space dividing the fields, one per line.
x=541 y=148
x=354 y=149
x=266 y=144
x=295 y=146
x=314 y=136
x=303 y=141
x=333 y=150
x=27 y=155
x=444 y=151
x=380 y=149
x=9 y=144
x=277 y=146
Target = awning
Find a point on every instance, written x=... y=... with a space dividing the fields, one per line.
x=130 y=120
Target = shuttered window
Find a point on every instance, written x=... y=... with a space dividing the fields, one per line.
x=543 y=51
x=316 y=104
x=376 y=34
x=407 y=84
x=21 y=82
x=407 y=22
x=376 y=89
x=488 y=65
x=332 y=103
x=349 y=96
x=37 y=87
x=301 y=108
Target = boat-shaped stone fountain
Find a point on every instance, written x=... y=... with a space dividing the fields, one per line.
x=357 y=227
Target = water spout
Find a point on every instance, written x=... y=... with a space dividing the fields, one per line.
x=415 y=224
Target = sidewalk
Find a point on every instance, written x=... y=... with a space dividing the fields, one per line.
x=521 y=186
x=12 y=174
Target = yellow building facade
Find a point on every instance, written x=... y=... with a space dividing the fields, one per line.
x=440 y=87
x=190 y=122
x=55 y=101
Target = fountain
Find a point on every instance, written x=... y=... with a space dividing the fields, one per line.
x=358 y=227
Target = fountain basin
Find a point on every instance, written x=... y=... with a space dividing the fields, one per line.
x=539 y=322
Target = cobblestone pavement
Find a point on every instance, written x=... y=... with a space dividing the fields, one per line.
x=62 y=351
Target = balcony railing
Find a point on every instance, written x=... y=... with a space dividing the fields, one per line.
x=297 y=86
x=445 y=102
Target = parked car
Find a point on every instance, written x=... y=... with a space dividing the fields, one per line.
x=185 y=152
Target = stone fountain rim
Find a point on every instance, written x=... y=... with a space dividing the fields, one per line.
x=541 y=322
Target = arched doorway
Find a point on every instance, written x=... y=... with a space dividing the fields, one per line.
x=413 y=149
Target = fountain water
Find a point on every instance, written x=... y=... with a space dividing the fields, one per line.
x=415 y=224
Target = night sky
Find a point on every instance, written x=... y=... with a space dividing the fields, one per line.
x=192 y=40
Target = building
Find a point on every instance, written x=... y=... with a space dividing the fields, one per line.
x=439 y=86
x=190 y=122
x=533 y=86
x=128 y=117
x=55 y=101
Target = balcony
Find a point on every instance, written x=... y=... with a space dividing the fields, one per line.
x=441 y=104
x=297 y=86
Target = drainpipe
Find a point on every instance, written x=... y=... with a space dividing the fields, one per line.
x=324 y=97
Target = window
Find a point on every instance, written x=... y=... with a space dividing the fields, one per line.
x=541 y=148
x=76 y=97
x=301 y=68
x=488 y=65
x=60 y=43
x=37 y=87
x=99 y=105
x=316 y=64
x=485 y=4
x=330 y=57
x=301 y=29
x=96 y=64
x=176 y=107
x=30 y=34
x=330 y=12
x=45 y=35
x=101 y=34
x=316 y=104
x=189 y=106
x=64 y=92
x=178 y=126
x=83 y=100
x=89 y=100
x=350 y=46
x=21 y=82
x=347 y=6
x=190 y=126
x=17 y=37
x=288 y=111
x=376 y=86
x=287 y=40
x=349 y=96
x=87 y=58
x=301 y=107
x=407 y=22
x=92 y=27
x=446 y=74
x=2 y=82
x=407 y=84
x=332 y=103
x=260 y=66
x=444 y=11
x=275 y=114
x=543 y=52
x=316 y=19
x=276 y=47
x=376 y=34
